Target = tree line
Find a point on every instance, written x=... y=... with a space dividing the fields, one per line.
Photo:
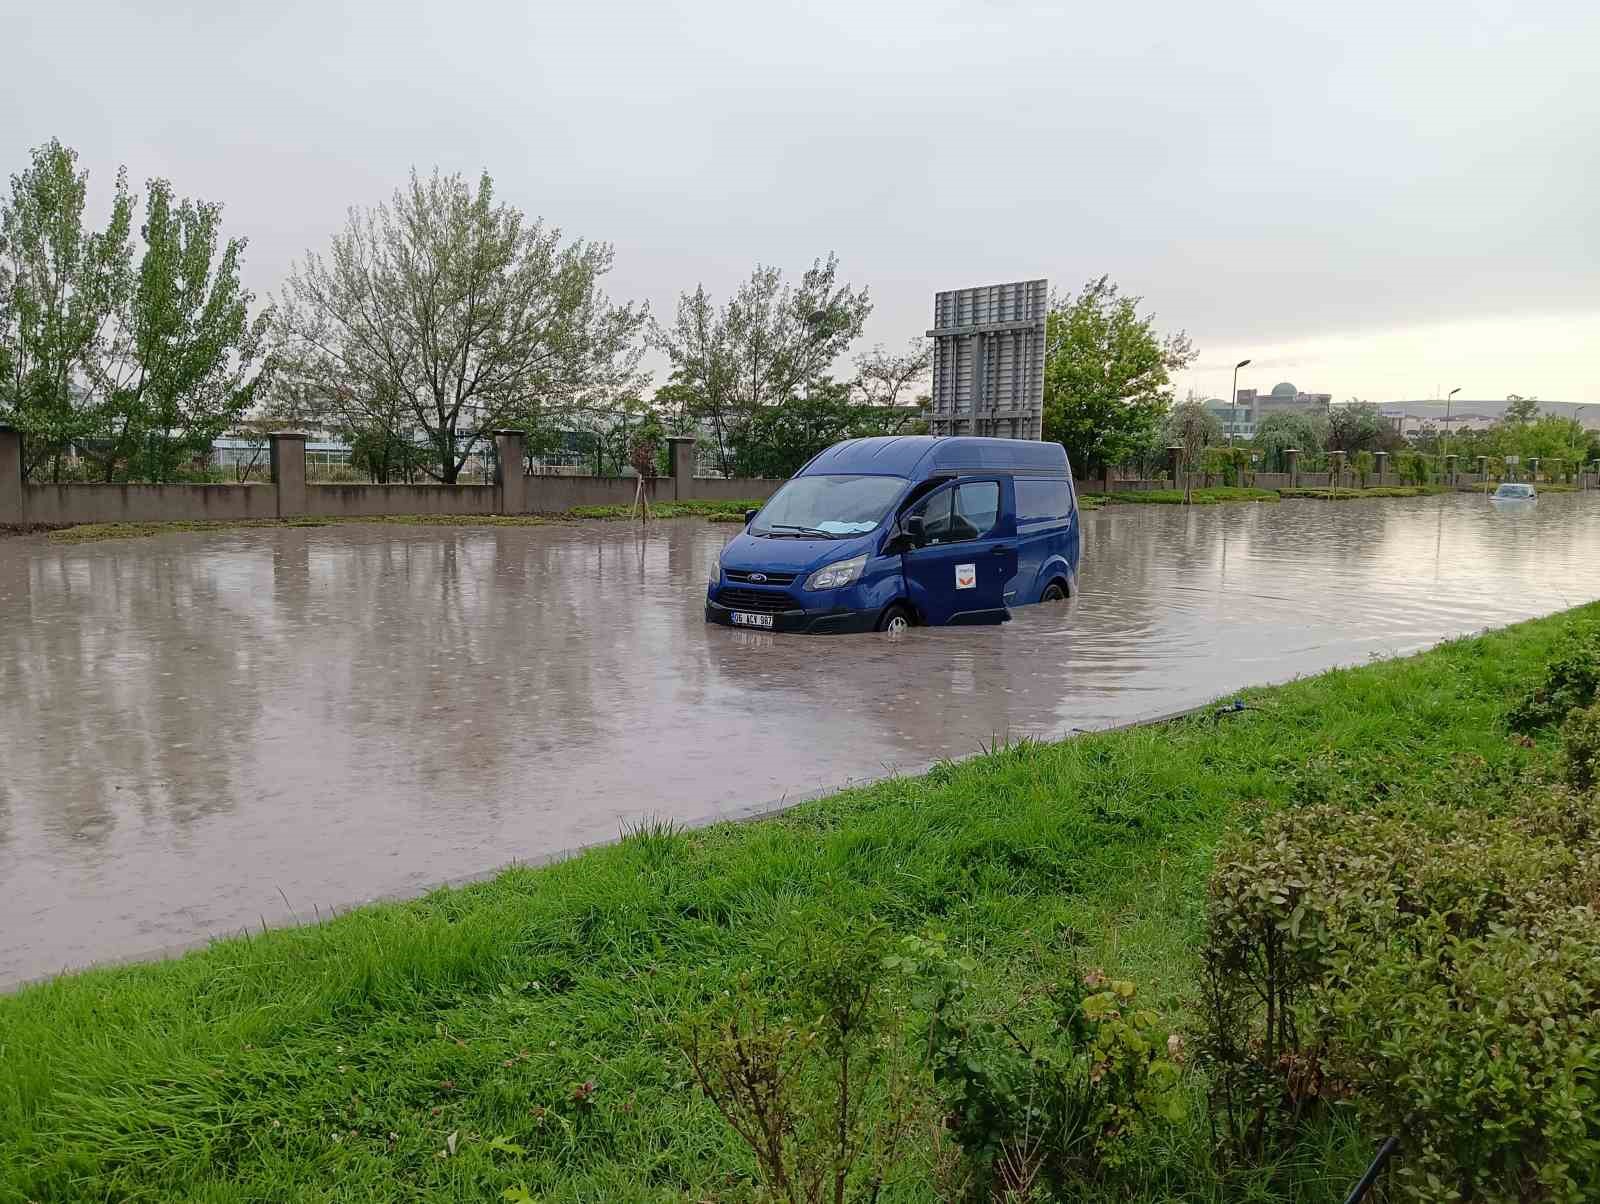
x=444 y=314
x=430 y=321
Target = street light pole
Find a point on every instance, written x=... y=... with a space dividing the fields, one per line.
x=1233 y=414
x=1448 y=397
x=1583 y=477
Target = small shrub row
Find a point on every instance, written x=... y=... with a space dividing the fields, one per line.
x=1434 y=965
x=1571 y=681
x=850 y=1056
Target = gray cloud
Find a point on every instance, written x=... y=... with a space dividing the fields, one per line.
x=1260 y=173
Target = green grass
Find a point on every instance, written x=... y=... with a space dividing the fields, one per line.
x=712 y=511
x=334 y=1062
x=1199 y=497
x=1372 y=491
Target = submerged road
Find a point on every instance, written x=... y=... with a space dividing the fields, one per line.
x=202 y=732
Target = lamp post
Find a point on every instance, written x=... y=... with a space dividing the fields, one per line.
x=1583 y=477
x=1233 y=412
x=1448 y=397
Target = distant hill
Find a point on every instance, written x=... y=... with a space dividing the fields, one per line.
x=1588 y=413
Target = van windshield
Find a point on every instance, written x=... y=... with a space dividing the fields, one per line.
x=828 y=506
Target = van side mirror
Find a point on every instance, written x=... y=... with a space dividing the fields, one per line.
x=916 y=529
x=749 y=516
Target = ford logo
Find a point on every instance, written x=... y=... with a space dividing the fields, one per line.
x=758 y=578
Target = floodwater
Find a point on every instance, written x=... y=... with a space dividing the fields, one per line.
x=203 y=732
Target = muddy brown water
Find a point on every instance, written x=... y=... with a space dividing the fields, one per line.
x=204 y=732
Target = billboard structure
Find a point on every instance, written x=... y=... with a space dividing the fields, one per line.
x=988 y=360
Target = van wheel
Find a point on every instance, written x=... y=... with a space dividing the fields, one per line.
x=896 y=620
x=1054 y=592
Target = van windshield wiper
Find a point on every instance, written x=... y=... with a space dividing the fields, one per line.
x=818 y=531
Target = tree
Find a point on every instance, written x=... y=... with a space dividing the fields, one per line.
x=1549 y=438
x=450 y=315
x=781 y=438
x=769 y=345
x=1520 y=409
x=1355 y=427
x=1277 y=433
x=1108 y=374
x=1194 y=428
x=182 y=358
x=60 y=286
x=882 y=376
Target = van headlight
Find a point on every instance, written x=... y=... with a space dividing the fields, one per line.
x=838 y=574
x=715 y=577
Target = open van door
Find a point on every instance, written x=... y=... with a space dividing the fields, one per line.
x=960 y=561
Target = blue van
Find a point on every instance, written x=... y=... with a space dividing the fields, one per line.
x=880 y=534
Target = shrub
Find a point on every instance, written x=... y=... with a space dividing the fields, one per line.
x=1436 y=964
x=806 y=1063
x=1580 y=745
x=829 y=1056
x=1051 y=1090
x=1571 y=680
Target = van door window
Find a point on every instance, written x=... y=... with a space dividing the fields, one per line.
x=934 y=510
x=977 y=508
x=968 y=511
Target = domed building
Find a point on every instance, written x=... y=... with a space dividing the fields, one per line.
x=1285 y=398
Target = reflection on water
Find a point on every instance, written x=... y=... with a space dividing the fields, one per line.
x=201 y=732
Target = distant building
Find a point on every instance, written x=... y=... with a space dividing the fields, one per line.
x=1242 y=418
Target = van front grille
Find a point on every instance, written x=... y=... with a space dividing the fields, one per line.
x=743 y=575
x=758 y=601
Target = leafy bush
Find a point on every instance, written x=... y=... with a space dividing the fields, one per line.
x=1051 y=1090
x=807 y=1064
x=830 y=1058
x=1435 y=964
x=1580 y=745
x=1571 y=680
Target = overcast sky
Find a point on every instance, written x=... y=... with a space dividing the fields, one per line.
x=1369 y=199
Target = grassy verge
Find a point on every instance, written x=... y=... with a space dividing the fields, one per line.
x=1371 y=491
x=511 y=1033
x=1199 y=497
x=712 y=511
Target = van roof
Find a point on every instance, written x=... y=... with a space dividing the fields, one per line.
x=918 y=456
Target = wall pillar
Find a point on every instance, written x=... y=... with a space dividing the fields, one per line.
x=288 y=450
x=1293 y=453
x=10 y=477
x=510 y=450
x=1450 y=469
x=680 y=458
x=1381 y=462
x=1336 y=469
x=1175 y=465
x=1483 y=469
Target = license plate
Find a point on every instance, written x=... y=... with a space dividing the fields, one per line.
x=741 y=619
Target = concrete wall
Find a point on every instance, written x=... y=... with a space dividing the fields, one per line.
x=65 y=505
x=289 y=495
x=376 y=501
x=716 y=489
x=553 y=495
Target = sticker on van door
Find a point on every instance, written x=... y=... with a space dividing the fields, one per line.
x=966 y=576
